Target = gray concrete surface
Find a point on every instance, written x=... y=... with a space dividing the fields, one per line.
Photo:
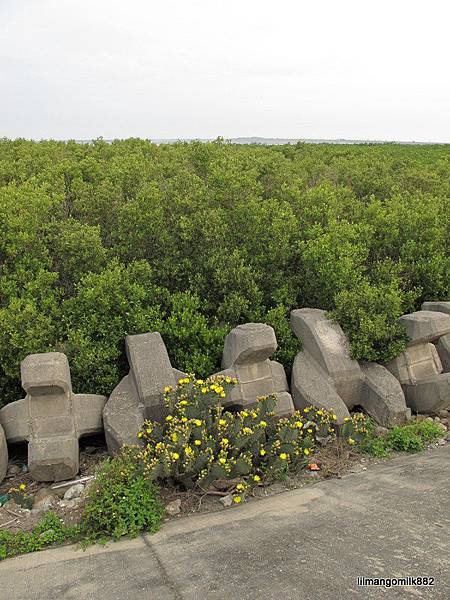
x=308 y=544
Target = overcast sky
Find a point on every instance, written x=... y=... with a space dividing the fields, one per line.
x=359 y=69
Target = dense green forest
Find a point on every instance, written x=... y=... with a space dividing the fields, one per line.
x=104 y=239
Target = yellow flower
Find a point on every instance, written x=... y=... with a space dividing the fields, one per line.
x=244 y=413
x=167 y=389
x=174 y=437
x=222 y=395
x=224 y=442
x=351 y=441
x=262 y=452
x=247 y=431
x=256 y=478
x=169 y=418
x=188 y=450
x=148 y=430
x=180 y=381
x=228 y=379
x=200 y=382
x=22 y=486
x=306 y=451
x=183 y=402
x=309 y=430
x=306 y=410
x=197 y=422
x=334 y=418
x=198 y=442
x=140 y=434
x=175 y=455
x=237 y=499
x=283 y=456
x=319 y=412
x=263 y=424
x=298 y=424
x=222 y=422
x=240 y=487
x=222 y=460
x=347 y=419
x=183 y=419
x=159 y=445
x=204 y=390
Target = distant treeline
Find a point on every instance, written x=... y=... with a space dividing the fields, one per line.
x=102 y=240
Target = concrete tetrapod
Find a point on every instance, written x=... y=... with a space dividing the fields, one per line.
x=246 y=357
x=140 y=394
x=325 y=375
x=423 y=368
x=51 y=417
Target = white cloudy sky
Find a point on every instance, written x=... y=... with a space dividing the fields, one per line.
x=375 y=69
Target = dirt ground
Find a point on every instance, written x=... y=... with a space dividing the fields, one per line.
x=334 y=459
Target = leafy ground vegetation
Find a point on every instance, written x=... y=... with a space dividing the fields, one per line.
x=202 y=450
x=102 y=240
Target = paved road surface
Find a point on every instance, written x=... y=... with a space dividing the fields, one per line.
x=306 y=544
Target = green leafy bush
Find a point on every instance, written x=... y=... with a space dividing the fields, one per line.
x=102 y=240
x=368 y=314
x=121 y=501
x=360 y=430
x=199 y=442
x=412 y=438
x=48 y=531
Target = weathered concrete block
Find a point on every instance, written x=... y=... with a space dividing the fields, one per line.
x=53 y=458
x=382 y=396
x=248 y=343
x=150 y=369
x=443 y=350
x=425 y=326
x=51 y=417
x=324 y=374
x=15 y=421
x=415 y=363
x=246 y=355
x=311 y=385
x=419 y=370
x=122 y=416
x=443 y=307
x=140 y=395
x=46 y=374
x=429 y=395
x=328 y=346
x=3 y=455
x=88 y=413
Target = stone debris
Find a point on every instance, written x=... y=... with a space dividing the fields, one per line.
x=174 y=507
x=324 y=374
x=140 y=394
x=227 y=500
x=44 y=500
x=74 y=492
x=246 y=357
x=13 y=470
x=51 y=417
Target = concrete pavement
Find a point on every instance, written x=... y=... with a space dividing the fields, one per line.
x=306 y=544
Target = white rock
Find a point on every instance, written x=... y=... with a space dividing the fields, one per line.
x=174 y=507
x=226 y=500
x=74 y=492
